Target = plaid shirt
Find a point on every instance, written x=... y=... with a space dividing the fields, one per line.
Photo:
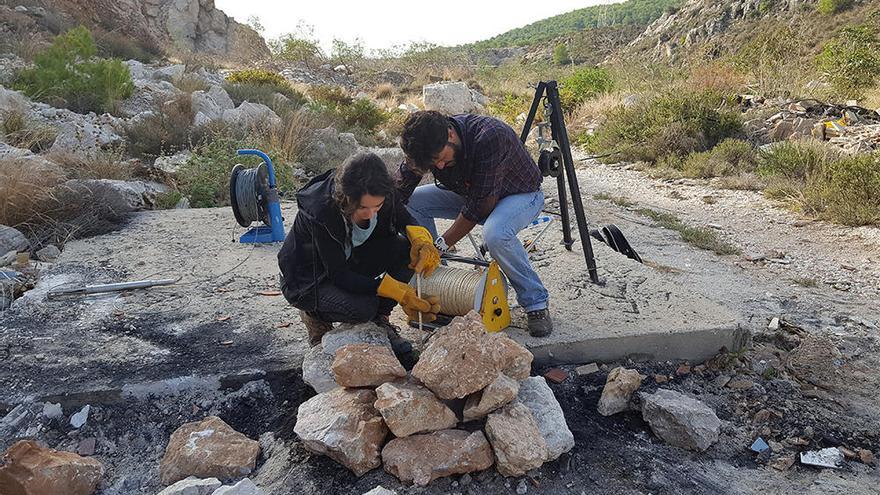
x=494 y=165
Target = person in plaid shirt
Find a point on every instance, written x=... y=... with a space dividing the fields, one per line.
x=483 y=175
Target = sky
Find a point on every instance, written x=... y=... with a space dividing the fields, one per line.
x=383 y=24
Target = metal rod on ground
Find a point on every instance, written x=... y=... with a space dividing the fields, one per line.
x=478 y=255
x=419 y=293
x=121 y=286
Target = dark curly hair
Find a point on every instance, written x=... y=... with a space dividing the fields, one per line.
x=362 y=173
x=424 y=135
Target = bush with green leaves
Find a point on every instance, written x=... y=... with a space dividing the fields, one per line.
x=560 y=55
x=364 y=114
x=729 y=157
x=67 y=74
x=509 y=106
x=820 y=180
x=828 y=7
x=582 y=85
x=851 y=60
x=299 y=46
x=673 y=123
x=204 y=178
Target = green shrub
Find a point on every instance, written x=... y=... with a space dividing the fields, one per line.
x=163 y=132
x=729 y=157
x=851 y=60
x=67 y=74
x=674 y=123
x=819 y=180
x=204 y=178
x=364 y=114
x=256 y=77
x=828 y=7
x=560 y=55
x=583 y=85
x=331 y=96
x=300 y=46
x=509 y=106
x=848 y=190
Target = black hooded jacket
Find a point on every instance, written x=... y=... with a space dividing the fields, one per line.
x=314 y=250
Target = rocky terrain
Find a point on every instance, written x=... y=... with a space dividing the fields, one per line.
x=207 y=385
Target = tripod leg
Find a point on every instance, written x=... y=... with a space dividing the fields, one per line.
x=563 y=212
x=561 y=137
x=533 y=110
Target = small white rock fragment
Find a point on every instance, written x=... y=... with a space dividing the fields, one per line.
x=774 y=324
x=80 y=418
x=193 y=486
x=52 y=411
x=243 y=487
x=587 y=369
x=827 y=458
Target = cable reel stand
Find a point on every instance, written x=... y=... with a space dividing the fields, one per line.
x=253 y=193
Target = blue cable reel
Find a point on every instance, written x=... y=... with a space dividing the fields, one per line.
x=253 y=193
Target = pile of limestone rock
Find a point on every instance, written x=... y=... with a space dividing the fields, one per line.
x=467 y=405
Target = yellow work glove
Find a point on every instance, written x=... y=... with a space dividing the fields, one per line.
x=412 y=304
x=423 y=255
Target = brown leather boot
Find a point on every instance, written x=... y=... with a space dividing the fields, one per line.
x=315 y=327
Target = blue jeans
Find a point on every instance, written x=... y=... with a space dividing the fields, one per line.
x=511 y=215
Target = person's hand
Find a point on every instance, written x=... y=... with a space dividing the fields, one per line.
x=424 y=256
x=427 y=316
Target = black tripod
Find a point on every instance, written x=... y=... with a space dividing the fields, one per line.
x=554 y=151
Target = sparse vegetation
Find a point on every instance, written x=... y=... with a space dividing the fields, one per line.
x=851 y=60
x=829 y=7
x=673 y=123
x=818 y=180
x=67 y=75
x=256 y=77
x=699 y=237
x=621 y=201
x=560 y=55
x=582 y=85
x=729 y=158
x=164 y=132
x=17 y=130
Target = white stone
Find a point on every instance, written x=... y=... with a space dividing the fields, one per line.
x=452 y=98
x=680 y=420
x=80 y=418
x=52 y=411
x=243 y=487
x=193 y=486
x=535 y=394
x=48 y=254
x=171 y=164
x=380 y=490
x=316 y=370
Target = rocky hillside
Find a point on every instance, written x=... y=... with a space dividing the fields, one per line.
x=163 y=26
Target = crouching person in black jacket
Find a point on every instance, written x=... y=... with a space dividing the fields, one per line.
x=352 y=249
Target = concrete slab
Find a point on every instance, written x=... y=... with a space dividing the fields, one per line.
x=222 y=317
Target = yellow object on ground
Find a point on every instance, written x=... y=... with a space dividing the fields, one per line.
x=404 y=294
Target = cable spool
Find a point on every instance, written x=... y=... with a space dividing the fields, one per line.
x=248 y=189
x=456 y=288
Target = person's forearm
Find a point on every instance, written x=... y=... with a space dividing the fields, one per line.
x=460 y=228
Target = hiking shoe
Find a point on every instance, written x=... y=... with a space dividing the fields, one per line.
x=540 y=324
x=402 y=348
x=315 y=326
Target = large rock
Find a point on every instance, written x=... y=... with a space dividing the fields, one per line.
x=452 y=98
x=85 y=135
x=251 y=115
x=409 y=409
x=209 y=106
x=365 y=365
x=119 y=195
x=148 y=95
x=12 y=240
x=421 y=459
x=193 y=486
x=328 y=148
x=25 y=163
x=495 y=395
x=13 y=101
x=518 y=444
x=361 y=333
x=343 y=425
x=392 y=157
x=28 y=469
x=535 y=394
x=171 y=164
x=208 y=449
x=316 y=370
x=243 y=487
x=680 y=420
x=619 y=387
x=461 y=359
x=516 y=360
